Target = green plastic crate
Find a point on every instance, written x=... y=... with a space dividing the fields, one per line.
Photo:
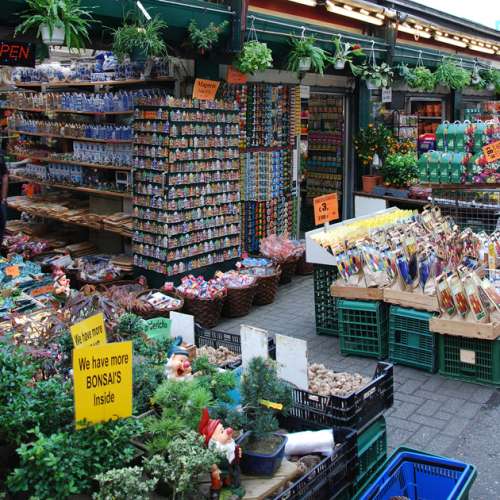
x=411 y=343
x=470 y=360
x=325 y=306
x=372 y=451
x=363 y=328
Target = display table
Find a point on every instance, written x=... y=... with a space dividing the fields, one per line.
x=368 y=203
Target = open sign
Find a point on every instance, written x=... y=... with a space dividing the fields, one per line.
x=17 y=53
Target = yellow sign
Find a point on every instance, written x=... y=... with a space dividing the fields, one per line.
x=89 y=332
x=271 y=404
x=102 y=379
x=492 y=151
x=326 y=208
x=205 y=90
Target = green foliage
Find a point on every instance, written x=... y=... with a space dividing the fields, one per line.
x=206 y=38
x=181 y=404
x=146 y=378
x=378 y=75
x=46 y=405
x=370 y=141
x=186 y=459
x=216 y=381
x=490 y=76
x=130 y=325
x=451 y=75
x=420 y=77
x=306 y=48
x=127 y=482
x=345 y=52
x=67 y=14
x=260 y=382
x=231 y=417
x=254 y=56
x=64 y=463
x=400 y=169
x=138 y=36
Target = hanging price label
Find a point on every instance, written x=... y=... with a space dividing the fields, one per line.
x=492 y=151
x=205 y=90
x=326 y=208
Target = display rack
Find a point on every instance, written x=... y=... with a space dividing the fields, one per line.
x=186 y=184
x=405 y=127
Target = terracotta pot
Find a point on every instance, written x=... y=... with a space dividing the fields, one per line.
x=370 y=181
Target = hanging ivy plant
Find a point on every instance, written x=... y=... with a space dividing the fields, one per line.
x=305 y=55
x=420 y=77
x=376 y=75
x=452 y=75
x=491 y=78
x=254 y=56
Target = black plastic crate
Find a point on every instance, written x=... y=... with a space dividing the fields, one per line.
x=332 y=478
x=232 y=341
x=325 y=306
x=353 y=411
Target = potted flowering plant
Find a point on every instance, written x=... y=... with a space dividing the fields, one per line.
x=344 y=52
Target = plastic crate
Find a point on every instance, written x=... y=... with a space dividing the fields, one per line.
x=332 y=477
x=411 y=343
x=372 y=451
x=232 y=341
x=325 y=306
x=470 y=360
x=416 y=475
x=363 y=328
x=353 y=411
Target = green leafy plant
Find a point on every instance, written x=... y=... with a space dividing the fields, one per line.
x=420 y=77
x=65 y=14
x=491 y=78
x=146 y=379
x=370 y=141
x=345 y=52
x=64 y=463
x=206 y=38
x=139 y=39
x=127 y=482
x=400 y=170
x=186 y=459
x=303 y=51
x=375 y=74
x=218 y=382
x=254 y=56
x=452 y=75
x=129 y=325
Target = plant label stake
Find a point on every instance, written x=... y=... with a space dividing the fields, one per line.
x=291 y=355
x=254 y=344
x=182 y=326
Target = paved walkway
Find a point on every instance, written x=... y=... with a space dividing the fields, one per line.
x=430 y=412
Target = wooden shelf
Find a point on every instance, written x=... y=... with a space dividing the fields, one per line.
x=59 y=136
x=98 y=113
x=72 y=188
x=79 y=83
x=33 y=110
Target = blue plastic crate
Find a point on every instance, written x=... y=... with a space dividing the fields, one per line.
x=419 y=476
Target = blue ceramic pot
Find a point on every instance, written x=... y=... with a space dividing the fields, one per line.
x=261 y=464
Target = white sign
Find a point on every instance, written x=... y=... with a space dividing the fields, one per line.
x=291 y=355
x=253 y=344
x=305 y=92
x=468 y=357
x=182 y=326
x=387 y=94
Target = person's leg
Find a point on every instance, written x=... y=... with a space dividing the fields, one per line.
x=3 y=220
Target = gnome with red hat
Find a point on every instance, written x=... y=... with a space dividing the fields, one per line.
x=227 y=473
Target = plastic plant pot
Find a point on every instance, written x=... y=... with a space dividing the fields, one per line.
x=304 y=64
x=261 y=464
x=57 y=37
x=339 y=64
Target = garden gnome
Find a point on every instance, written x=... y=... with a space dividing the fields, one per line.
x=227 y=473
x=178 y=366
x=62 y=288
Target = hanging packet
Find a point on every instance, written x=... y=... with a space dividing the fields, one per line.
x=479 y=312
x=444 y=295
x=458 y=294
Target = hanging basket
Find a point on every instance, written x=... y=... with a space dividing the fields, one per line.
x=206 y=312
x=304 y=64
x=267 y=288
x=239 y=301
x=154 y=312
x=303 y=267
x=288 y=270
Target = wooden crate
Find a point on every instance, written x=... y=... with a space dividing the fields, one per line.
x=464 y=328
x=357 y=293
x=411 y=300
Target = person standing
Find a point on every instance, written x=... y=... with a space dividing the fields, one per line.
x=4 y=188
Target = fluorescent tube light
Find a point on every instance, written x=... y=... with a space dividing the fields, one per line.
x=450 y=41
x=337 y=9
x=485 y=50
x=412 y=31
x=143 y=10
x=309 y=3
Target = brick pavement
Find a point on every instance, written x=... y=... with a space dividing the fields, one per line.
x=430 y=412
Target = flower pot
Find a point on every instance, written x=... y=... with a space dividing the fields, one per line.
x=262 y=463
x=490 y=87
x=370 y=181
x=57 y=37
x=339 y=64
x=304 y=64
x=138 y=55
x=371 y=85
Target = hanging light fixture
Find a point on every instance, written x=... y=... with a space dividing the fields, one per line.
x=405 y=28
x=309 y=3
x=449 y=41
x=354 y=14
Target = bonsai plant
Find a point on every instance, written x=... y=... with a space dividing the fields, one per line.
x=140 y=40
x=206 y=38
x=452 y=75
x=254 y=56
x=420 y=77
x=305 y=55
x=344 y=52
x=263 y=394
x=57 y=22
x=399 y=170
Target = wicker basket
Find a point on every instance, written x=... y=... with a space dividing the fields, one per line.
x=239 y=301
x=159 y=312
x=267 y=287
x=288 y=270
x=206 y=312
x=304 y=268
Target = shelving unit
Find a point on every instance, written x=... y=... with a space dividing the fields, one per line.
x=85 y=83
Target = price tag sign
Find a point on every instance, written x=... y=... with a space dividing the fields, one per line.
x=492 y=151
x=326 y=208
x=387 y=94
x=235 y=76
x=158 y=328
x=205 y=90
x=102 y=377
x=89 y=332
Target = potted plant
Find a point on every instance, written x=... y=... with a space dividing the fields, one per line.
x=263 y=394
x=452 y=75
x=491 y=78
x=140 y=40
x=206 y=38
x=399 y=170
x=372 y=145
x=420 y=77
x=344 y=52
x=254 y=56
x=57 y=22
x=376 y=76
x=305 y=55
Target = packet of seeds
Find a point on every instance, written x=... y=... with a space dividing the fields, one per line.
x=475 y=304
x=423 y=168
x=445 y=168
x=458 y=294
x=441 y=135
x=433 y=163
x=444 y=295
